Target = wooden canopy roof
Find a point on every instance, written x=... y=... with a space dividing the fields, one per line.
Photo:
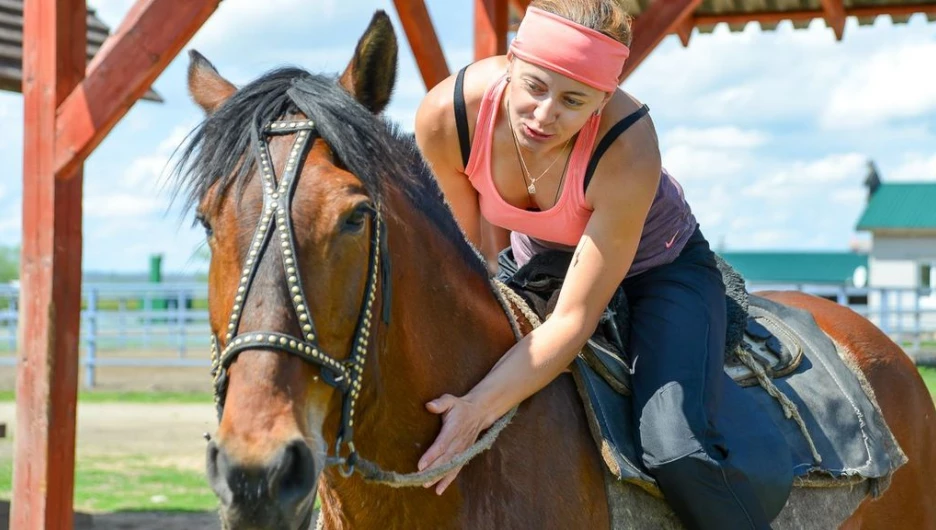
x=11 y=45
x=653 y=20
x=769 y=13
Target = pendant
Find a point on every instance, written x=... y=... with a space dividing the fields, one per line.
x=532 y=188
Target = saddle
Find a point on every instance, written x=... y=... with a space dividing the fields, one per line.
x=538 y=283
x=794 y=411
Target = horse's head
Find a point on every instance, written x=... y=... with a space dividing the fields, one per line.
x=288 y=175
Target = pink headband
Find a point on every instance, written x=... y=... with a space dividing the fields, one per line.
x=570 y=49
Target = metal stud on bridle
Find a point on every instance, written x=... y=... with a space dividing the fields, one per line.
x=276 y=224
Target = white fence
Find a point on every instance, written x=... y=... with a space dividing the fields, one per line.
x=127 y=317
x=907 y=315
x=145 y=317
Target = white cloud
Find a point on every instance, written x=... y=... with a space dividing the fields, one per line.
x=122 y=204
x=773 y=238
x=898 y=81
x=916 y=167
x=711 y=205
x=792 y=75
x=800 y=178
x=11 y=224
x=235 y=19
x=724 y=137
x=688 y=163
x=11 y=115
x=849 y=196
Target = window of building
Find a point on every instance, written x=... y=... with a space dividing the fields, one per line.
x=928 y=274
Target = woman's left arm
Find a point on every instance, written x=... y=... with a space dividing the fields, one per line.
x=601 y=260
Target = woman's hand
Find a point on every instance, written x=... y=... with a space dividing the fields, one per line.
x=462 y=423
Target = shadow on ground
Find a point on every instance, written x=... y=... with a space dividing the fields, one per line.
x=133 y=520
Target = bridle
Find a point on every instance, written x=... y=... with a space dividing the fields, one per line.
x=276 y=224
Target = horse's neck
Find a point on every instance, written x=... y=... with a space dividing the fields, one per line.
x=447 y=330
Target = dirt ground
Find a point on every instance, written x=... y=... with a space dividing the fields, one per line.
x=143 y=378
x=172 y=433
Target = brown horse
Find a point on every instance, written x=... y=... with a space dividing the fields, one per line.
x=303 y=218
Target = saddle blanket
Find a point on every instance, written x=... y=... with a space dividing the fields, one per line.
x=844 y=423
x=842 y=438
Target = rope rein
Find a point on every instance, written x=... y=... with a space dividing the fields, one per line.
x=372 y=472
x=510 y=302
x=790 y=410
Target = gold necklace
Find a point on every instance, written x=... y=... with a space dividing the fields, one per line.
x=531 y=188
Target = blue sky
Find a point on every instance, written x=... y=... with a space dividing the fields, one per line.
x=769 y=132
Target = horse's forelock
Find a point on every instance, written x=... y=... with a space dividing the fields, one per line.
x=222 y=150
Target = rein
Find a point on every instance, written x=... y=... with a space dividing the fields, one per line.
x=344 y=375
x=371 y=472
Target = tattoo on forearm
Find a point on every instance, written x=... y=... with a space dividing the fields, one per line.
x=577 y=254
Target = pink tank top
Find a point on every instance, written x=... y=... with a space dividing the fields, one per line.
x=565 y=222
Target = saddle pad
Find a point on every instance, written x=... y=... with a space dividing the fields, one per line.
x=844 y=423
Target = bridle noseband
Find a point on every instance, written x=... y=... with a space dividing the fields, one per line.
x=276 y=224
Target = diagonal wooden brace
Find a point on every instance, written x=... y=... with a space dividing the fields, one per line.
x=151 y=35
x=661 y=18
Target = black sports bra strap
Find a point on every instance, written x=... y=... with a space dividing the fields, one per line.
x=461 y=116
x=609 y=138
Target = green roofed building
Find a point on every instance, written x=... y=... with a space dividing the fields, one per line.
x=901 y=209
x=901 y=218
x=846 y=269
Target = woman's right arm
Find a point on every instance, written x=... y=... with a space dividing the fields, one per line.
x=437 y=139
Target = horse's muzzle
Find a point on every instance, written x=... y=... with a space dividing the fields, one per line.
x=275 y=496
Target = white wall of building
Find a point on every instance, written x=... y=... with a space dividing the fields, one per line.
x=886 y=247
x=895 y=262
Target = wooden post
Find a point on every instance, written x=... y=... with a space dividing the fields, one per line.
x=490 y=28
x=656 y=22
x=491 y=39
x=835 y=16
x=66 y=115
x=151 y=35
x=54 y=40
x=423 y=41
x=520 y=6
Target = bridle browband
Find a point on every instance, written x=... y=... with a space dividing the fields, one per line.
x=344 y=375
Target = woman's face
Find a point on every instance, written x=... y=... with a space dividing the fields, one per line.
x=547 y=108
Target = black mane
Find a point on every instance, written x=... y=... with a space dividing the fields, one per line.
x=221 y=148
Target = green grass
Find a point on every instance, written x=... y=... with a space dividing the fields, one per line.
x=131 y=483
x=924 y=344
x=131 y=397
x=929 y=377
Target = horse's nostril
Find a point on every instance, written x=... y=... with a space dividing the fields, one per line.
x=217 y=469
x=292 y=473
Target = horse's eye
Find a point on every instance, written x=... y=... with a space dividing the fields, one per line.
x=354 y=222
x=205 y=224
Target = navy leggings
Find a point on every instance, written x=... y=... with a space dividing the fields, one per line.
x=677 y=345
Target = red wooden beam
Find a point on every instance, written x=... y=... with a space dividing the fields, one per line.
x=661 y=18
x=490 y=28
x=54 y=40
x=151 y=35
x=417 y=24
x=810 y=14
x=835 y=16
x=520 y=6
x=491 y=20
x=684 y=30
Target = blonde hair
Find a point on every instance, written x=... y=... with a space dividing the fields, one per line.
x=606 y=16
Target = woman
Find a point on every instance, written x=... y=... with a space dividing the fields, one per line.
x=543 y=144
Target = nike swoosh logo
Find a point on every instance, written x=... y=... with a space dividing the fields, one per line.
x=673 y=240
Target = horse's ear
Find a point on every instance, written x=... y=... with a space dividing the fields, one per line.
x=371 y=74
x=207 y=87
